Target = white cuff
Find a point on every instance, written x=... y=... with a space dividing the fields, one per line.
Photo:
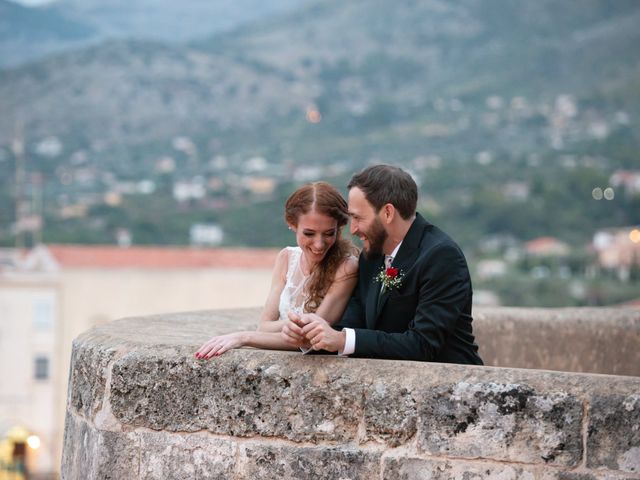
x=349 y=342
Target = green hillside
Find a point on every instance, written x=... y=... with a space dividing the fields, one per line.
x=508 y=114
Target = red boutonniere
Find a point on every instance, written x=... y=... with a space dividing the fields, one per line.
x=390 y=278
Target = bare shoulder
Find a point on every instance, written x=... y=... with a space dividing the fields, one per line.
x=283 y=255
x=282 y=261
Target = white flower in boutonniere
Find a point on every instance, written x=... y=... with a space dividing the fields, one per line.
x=390 y=278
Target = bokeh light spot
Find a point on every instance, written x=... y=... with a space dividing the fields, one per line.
x=596 y=193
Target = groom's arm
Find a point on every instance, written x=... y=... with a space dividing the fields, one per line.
x=445 y=289
x=353 y=317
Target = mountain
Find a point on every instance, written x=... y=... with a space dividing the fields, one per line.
x=516 y=118
x=19 y=22
x=27 y=33
x=425 y=49
x=168 y=20
x=385 y=76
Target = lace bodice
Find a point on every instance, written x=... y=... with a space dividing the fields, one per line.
x=292 y=297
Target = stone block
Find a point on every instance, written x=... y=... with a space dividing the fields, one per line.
x=613 y=438
x=509 y=422
x=88 y=377
x=92 y=454
x=408 y=468
x=390 y=413
x=185 y=457
x=411 y=468
x=298 y=400
x=264 y=461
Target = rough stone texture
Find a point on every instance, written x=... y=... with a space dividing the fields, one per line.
x=141 y=406
x=428 y=469
x=411 y=468
x=92 y=454
x=237 y=398
x=88 y=376
x=186 y=457
x=614 y=432
x=503 y=422
x=596 y=340
x=390 y=413
x=330 y=462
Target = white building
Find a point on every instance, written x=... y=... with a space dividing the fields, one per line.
x=51 y=294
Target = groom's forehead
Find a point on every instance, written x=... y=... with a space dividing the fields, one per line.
x=358 y=203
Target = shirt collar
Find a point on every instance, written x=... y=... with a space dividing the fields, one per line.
x=395 y=250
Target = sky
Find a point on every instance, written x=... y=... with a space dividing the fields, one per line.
x=31 y=3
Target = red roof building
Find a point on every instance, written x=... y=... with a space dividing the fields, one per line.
x=53 y=257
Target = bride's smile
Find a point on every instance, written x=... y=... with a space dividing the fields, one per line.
x=315 y=235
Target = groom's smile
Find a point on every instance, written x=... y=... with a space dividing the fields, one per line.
x=365 y=223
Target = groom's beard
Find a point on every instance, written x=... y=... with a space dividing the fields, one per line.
x=376 y=236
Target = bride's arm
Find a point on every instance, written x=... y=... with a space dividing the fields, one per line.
x=271 y=312
x=268 y=334
x=335 y=301
x=221 y=343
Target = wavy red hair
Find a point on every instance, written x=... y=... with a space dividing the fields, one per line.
x=323 y=198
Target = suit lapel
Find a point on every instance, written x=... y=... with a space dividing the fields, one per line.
x=406 y=256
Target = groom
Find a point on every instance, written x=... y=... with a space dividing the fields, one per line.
x=413 y=298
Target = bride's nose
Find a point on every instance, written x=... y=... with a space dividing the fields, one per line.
x=318 y=243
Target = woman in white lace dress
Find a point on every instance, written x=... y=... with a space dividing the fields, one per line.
x=318 y=275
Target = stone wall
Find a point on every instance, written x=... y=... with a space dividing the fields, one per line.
x=594 y=340
x=140 y=406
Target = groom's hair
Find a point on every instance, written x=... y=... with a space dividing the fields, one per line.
x=382 y=184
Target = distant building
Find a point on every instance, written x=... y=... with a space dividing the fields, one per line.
x=260 y=185
x=635 y=303
x=546 y=247
x=627 y=179
x=618 y=249
x=491 y=268
x=189 y=190
x=50 y=294
x=518 y=191
x=486 y=298
x=206 y=234
x=165 y=165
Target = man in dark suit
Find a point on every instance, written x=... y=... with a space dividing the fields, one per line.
x=413 y=298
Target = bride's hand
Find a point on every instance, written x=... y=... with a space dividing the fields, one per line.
x=220 y=344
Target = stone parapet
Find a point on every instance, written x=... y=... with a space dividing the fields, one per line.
x=594 y=340
x=140 y=406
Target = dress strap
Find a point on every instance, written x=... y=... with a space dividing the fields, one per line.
x=294 y=262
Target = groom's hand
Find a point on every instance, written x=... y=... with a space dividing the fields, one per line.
x=320 y=334
x=292 y=331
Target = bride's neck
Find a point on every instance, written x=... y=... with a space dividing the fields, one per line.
x=306 y=266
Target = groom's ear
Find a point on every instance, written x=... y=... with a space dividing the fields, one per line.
x=388 y=213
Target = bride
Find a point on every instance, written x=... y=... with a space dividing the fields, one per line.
x=316 y=276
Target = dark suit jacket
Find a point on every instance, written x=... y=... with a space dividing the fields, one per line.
x=428 y=317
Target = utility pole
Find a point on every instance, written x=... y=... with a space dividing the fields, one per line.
x=37 y=207
x=18 y=153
